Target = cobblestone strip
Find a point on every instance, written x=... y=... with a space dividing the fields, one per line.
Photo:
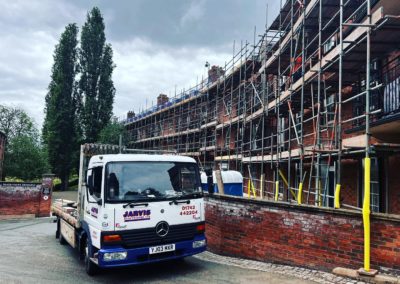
x=293 y=271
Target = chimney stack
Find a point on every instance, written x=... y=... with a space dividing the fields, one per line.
x=162 y=99
x=214 y=73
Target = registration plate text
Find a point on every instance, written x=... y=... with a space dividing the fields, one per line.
x=161 y=249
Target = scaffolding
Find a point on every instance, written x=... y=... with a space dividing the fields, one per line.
x=291 y=110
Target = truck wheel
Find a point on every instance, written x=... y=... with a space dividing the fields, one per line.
x=61 y=239
x=90 y=267
x=58 y=228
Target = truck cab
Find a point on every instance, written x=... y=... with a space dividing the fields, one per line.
x=138 y=208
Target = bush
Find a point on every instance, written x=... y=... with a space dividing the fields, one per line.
x=72 y=183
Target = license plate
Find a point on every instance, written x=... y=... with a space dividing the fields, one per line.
x=160 y=249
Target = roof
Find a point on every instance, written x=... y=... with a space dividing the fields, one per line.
x=140 y=158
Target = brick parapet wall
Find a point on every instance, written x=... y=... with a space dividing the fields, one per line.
x=24 y=198
x=306 y=236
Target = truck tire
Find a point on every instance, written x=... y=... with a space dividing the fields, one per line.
x=61 y=239
x=58 y=228
x=90 y=267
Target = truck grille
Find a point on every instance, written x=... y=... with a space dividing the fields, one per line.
x=148 y=236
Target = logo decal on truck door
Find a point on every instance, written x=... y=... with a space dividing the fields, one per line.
x=119 y=226
x=94 y=211
x=137 y=215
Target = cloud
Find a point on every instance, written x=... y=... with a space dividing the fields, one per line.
x=194 y=13
x=146 y=69
x=29 y=31
x=157 y=44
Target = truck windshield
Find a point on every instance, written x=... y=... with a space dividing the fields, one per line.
x=139 y=181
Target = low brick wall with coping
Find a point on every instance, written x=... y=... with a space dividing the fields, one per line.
x=25 y=198
x=300 y=235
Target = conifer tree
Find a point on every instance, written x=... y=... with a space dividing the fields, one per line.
x=96 y=87
x=60 y=133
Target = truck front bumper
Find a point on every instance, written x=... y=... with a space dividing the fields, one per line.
x=141 y=255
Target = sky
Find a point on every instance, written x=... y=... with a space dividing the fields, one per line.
x=158 y=45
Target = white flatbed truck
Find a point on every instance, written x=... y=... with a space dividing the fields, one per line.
x=132 y=208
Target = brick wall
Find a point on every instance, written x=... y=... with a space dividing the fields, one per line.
x=25 y=198
x=299 y=235
x=394 y=184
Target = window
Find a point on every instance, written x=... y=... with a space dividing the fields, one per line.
x=140 y=181
x=227 y=141
x=281 y=132
x=331 y=43
x=330 y=108
x=298 y=124
x=391 y=93
x=327 y=181
x=227 y=106
x=97 y=174
x=241 y=101
x=188 y=121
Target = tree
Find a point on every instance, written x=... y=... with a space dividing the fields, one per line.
x=95 y=86
x=15 y=122
x=24 y=158
x=111 y=132
x=60 y=133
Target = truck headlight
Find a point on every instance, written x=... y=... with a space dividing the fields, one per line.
x=111 y=256
x=199 y=244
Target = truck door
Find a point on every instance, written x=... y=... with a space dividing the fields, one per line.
x=93 y=208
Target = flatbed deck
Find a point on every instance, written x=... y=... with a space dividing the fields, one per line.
x=67 y=210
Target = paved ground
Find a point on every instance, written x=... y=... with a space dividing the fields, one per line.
x=71 y=195
x=29 y=253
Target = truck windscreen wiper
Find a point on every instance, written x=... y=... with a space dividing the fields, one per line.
x=174 y=200
x=184 y=198
x=133 y=204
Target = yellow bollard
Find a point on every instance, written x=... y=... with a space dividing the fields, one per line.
x=287 y=184
x=366 y=213
x=337 y=196
x=276 y=190
x=253 y=189
x=300 y=193
x=283 y=178
x=248 y=189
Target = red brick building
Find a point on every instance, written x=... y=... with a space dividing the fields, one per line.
x=297 y=114
x=294 y=108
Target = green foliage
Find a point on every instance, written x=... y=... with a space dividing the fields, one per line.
x=60 y=132
x=110 y=134
x=15 y=122
x=77 y=111
x=96 y=87
x=25 y=159
x=72 y=184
